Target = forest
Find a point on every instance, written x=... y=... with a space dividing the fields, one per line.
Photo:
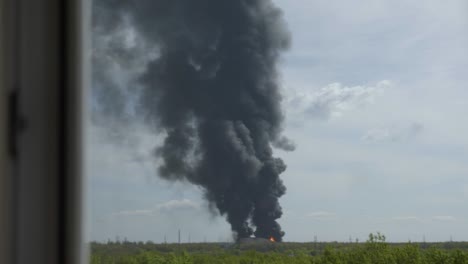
x=374 y=251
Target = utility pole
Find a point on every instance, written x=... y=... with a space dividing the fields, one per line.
x=165 y=239
x=179 y=236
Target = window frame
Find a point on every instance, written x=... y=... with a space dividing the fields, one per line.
x=44 y=72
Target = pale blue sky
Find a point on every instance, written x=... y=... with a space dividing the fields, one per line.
x=376 y=100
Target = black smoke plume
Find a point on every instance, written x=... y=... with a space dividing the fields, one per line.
x=212 y=90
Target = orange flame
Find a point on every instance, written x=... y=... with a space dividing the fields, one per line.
x=272 y=239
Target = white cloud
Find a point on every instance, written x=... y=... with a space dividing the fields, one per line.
x=334 y=99
x=443 y=218
x=321 y=215
x=394 y=133
x=406 y=218
x=177 y=205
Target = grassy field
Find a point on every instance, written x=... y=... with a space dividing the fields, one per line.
x=374 y=251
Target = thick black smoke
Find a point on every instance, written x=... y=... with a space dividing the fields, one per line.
x=213 y=91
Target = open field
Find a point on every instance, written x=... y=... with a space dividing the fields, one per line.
x=374 y=251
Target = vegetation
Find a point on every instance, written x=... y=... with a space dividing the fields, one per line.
x=374 y=251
